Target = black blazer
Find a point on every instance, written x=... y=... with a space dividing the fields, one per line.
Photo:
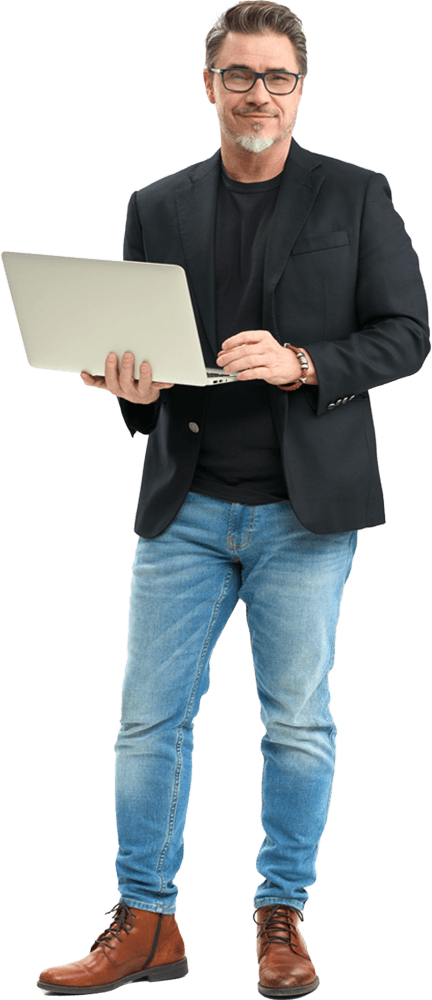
x=341 y=280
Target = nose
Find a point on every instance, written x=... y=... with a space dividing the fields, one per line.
x=258 y=94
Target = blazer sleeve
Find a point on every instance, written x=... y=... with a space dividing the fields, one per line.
x=392 y=339
x=137 y=416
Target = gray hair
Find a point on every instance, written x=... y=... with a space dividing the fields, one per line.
x=255 y=18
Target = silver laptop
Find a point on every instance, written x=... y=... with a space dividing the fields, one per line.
x=73 y=311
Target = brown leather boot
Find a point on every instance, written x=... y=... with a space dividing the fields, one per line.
x=139 y=944
x=285 y=968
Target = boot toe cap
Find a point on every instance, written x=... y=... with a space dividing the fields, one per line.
x=73 y=974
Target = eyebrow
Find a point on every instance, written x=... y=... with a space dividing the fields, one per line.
x=273 y=69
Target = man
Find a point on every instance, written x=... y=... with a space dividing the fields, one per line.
x=305 y=282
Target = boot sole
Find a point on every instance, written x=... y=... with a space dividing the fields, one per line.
x=288 y=991
x=174 y=971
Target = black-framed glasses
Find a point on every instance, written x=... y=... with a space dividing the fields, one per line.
x=242 y=80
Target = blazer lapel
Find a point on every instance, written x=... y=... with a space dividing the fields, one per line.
x=196 y=200
x=298 y=191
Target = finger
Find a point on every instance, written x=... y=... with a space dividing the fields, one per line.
x=111 y=373
x=127 y=371
x=95 y=380
x=145 y=379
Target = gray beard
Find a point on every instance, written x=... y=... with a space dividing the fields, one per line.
x=254 y=143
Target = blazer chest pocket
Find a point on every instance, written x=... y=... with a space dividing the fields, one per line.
x=326 y=241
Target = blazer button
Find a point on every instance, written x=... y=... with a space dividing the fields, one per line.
x=193 y=427
x=338 y=402
x=345 y=400
x=352 y=397
x=331 y=406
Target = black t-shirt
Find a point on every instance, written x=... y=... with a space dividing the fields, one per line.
x=239 y=458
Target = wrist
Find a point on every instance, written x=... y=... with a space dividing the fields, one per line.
x=306 y=374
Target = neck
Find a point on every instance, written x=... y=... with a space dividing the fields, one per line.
x=242 y=165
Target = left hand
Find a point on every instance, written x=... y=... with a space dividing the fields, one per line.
x=256 y=354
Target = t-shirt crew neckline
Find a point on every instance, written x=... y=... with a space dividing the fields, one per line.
x=246 y=187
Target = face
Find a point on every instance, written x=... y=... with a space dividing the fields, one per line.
x=256 y=119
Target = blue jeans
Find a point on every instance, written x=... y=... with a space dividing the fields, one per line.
x=185 y=585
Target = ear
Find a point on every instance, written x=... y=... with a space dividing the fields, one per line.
x=209 y=86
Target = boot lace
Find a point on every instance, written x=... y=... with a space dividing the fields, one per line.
x=279 y=919
x=121 y=912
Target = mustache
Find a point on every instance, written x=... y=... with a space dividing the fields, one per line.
x=256 y=110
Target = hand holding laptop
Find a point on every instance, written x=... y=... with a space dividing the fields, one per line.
x=120 y=381
x=73 y=310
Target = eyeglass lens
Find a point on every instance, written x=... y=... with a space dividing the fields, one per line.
x=277 y=83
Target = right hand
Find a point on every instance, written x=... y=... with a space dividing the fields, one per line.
x=124 y=384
